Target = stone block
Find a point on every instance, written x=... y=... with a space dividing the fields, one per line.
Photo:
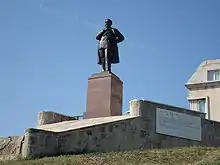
x=104 y=95
x=49 y=117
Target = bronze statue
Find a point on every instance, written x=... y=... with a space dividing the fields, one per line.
x=108 y=49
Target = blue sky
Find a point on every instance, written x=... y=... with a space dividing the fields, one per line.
x=48 y=50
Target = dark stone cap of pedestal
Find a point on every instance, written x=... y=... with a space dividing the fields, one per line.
x=104 y=74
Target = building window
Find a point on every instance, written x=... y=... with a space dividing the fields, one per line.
x=213 y=75
x=201 y=105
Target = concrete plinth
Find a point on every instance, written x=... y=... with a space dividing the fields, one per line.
x=104 y=95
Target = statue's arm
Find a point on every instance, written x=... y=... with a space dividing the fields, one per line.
x=119 y=36
x=99 y=35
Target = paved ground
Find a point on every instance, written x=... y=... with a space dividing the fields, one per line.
x=76 y=124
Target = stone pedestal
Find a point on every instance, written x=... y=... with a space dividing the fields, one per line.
x=104 y=95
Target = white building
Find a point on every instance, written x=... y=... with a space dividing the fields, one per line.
x=204 y=89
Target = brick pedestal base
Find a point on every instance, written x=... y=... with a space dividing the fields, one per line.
x=104 y=95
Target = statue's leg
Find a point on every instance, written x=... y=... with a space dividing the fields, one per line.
x=109 y=59
x=103 y=61
x=103 y=65
x=106 y=59
x=102 y=56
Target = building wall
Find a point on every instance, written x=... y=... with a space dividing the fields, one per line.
x=213 y=103
x=210 y=90
x=133 y=133
x=200 y=75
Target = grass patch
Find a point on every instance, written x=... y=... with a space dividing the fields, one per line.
x=178 y=156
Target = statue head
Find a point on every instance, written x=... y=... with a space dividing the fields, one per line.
x=108 y=23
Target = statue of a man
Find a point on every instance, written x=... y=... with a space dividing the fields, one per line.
x=108 y=50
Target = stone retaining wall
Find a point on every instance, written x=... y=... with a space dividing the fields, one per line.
x=49 y=117
x=134 y=133
x=10 y=147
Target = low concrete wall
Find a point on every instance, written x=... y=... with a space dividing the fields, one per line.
x=10 y=147
x=138 y=132
x=49 y=117
x=145 y=108
x=210 y=130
